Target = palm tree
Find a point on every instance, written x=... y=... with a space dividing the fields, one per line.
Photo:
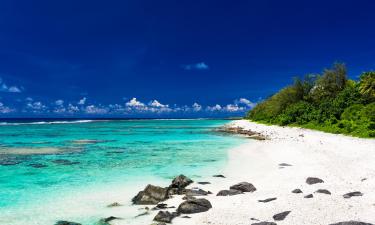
x=367 y=85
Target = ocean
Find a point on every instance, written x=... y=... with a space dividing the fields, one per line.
x=54 y=170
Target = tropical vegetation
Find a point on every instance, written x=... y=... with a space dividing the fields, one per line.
x=329 y=102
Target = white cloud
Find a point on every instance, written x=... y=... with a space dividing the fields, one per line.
x=4 y=109
x=92 y=109
x=5 y=88
x=216 y=107
x=59 y=102
x=82 y=101
x=135 y=103
x=36 y=107
x=157 y=104
x=196 y=107
x=196 y=66
x=29 y=99
x=72 y=109
x=245 y=101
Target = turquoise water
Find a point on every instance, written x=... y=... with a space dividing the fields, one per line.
x=46 y=169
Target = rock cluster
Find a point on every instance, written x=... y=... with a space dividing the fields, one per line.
x=240 y=130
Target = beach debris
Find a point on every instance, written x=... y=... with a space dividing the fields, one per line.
x=244 y=187
x=63 y=222
x=323 y=191
x=165 y=216
x=115 y=204
x=309 y=196
x=285 y=164
x=64 y=162
x=229 y=192
x=203 y=182
x=37 y=165
x=151 y=195
x=281 y=216
x=267 y=200
x=264 y=223
x=353 y=194
x=351 y=223
x=297 y=191
x=313 y=180
x=194 y=206
x=219 y=175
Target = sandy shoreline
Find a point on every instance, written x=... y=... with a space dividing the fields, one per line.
x=345 y=164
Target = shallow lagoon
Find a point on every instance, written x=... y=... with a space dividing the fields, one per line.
x=72 y=170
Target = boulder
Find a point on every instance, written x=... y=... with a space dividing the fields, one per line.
x=244 y=187
x=351 y=223
x=151 y=195
x=180 y=182
x=164 y=217
x=353 y=194
x=281 y=216
x=194 y=206
x=229 y=192
x=63 y=222
x=196 y=192
x=313 y=180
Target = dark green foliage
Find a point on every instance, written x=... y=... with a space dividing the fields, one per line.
x=329 y=102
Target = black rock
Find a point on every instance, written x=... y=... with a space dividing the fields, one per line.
x=323 y=191
x=164 y=216
x=63 y=222
x=204 y=182
x=297 y=191
x=284 y=164
x=196 y=192
x=115 y=204
x=180 y=182
x=351 y=223
x=229 y=192
x=219 y=175
x=309 y=196
x=188 y=198
x=106 y=221
x=151 y=195
x=267 y=200
x=353 y=194
x=264 y=223
x=313 y=180
x=186 y=217
x=244 y=187
x=194 y=206
x=281 y=216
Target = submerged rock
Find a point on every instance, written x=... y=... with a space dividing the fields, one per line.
x=267 y=200
x=313 y=180
x=323 y=191
x=194 y=206
x=229 y=192
x=37 y=165
x=164 y=216
x=151 y=195
x=351 y=223
x=64 y=162
x=244 y=187
x=106 y=221
x=353 y=194
x=281 y=216
x=297 y=191
x=63 y=222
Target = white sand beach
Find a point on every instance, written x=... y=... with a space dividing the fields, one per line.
x=346 y=164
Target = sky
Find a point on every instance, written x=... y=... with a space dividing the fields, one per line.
x=147 y=58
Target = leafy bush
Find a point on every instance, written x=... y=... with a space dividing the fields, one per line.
x=329 y=102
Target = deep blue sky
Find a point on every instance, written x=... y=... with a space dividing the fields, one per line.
x=176 y=52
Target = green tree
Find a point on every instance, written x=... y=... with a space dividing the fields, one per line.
x=367 y=85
